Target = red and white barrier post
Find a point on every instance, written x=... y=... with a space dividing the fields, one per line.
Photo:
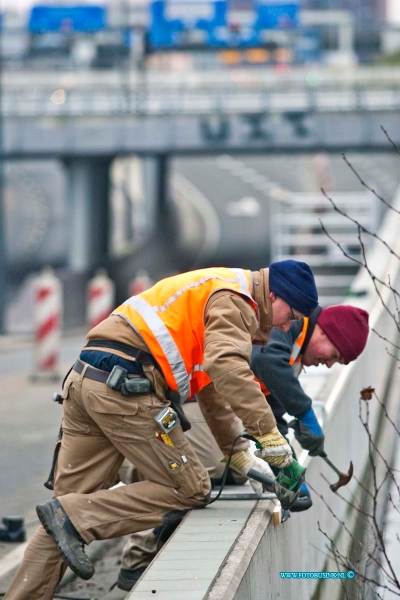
x=100 y=298
x=140 y=283
x=48 y=312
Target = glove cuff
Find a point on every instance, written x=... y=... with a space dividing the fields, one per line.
x=241 y=461
x=272 y=438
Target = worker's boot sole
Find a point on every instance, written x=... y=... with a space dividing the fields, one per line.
x=70 y=545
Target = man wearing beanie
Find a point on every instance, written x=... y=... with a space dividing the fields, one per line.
x=293 y=281
x=186 y=333
x=330 y=335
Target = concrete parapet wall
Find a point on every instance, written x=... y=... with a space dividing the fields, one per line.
x=298 y=545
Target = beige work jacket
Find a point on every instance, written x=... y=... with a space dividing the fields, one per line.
x=231 y=327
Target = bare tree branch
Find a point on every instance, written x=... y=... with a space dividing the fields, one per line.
x=390 y=140
x=371 y=448
x=352 y=536
x=358 y=224
x=345 y=563
x=372 y=563
x=375 y=279
x=369 y=188
x=357 y=261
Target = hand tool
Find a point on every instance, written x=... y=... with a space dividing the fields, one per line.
x=344 y=478
x=269 y=484
x=289 y=481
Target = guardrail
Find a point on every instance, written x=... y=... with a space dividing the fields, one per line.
x=194 y=93
x=251 y=567
x=282 y=77
x=121 y=101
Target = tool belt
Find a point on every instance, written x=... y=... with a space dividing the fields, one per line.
x=142 y=357
x=120 y=380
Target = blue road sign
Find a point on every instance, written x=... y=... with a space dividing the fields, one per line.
x=205 y=23
x=277 y=14
x=177 y=23
x=66 y=18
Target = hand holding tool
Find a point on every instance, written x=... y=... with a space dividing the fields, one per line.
x=244 y=463
x=308 y=432
x=274 y=448
x=289 y=481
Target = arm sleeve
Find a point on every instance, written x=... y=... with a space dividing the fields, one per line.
x=231 y=324
x=222 y=421
x=271 y=365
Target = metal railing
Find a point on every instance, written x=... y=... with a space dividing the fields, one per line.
x=197 y=93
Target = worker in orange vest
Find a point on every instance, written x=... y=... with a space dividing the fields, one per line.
x=159 y=347
x=330 y=335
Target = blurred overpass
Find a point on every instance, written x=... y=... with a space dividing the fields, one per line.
x=86 y=119
x=96 y=114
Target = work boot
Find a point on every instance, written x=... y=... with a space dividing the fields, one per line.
x=304 y=501
x=127 y=578
x=70 y=544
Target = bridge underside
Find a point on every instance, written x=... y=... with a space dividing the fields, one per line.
x=245 y=133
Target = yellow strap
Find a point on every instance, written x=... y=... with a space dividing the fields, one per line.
x=166 y=439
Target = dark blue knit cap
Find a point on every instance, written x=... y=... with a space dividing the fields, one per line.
x=294 y=282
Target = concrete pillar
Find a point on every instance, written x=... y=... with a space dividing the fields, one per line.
x=3 y=255
x=88 y=212
x=162 y=188
x=155 y=171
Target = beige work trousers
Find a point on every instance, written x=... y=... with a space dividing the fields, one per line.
x=141 y=547
x=100 y=428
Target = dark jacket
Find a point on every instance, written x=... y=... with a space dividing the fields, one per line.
x=271 y=364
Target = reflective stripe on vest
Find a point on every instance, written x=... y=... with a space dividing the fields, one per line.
x=295 y=359
x=170 y=319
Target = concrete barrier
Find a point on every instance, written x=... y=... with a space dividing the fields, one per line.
x=255 y=553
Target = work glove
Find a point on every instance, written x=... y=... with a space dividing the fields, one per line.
x=275 y=449
x=244 y=460
x=308 y=432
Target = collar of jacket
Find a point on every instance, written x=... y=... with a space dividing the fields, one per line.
x=261 y=296
x=311 y=326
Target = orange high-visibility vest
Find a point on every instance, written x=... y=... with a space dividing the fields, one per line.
x=295 y=358
x=170 y=319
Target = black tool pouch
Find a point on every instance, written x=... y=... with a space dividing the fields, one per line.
x=136 y=385
x=175 y=399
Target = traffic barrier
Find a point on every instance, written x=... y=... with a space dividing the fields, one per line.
x=48 y=311
x=140 y=283
x=100 y=298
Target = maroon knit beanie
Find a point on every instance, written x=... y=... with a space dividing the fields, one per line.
x=347 y=329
